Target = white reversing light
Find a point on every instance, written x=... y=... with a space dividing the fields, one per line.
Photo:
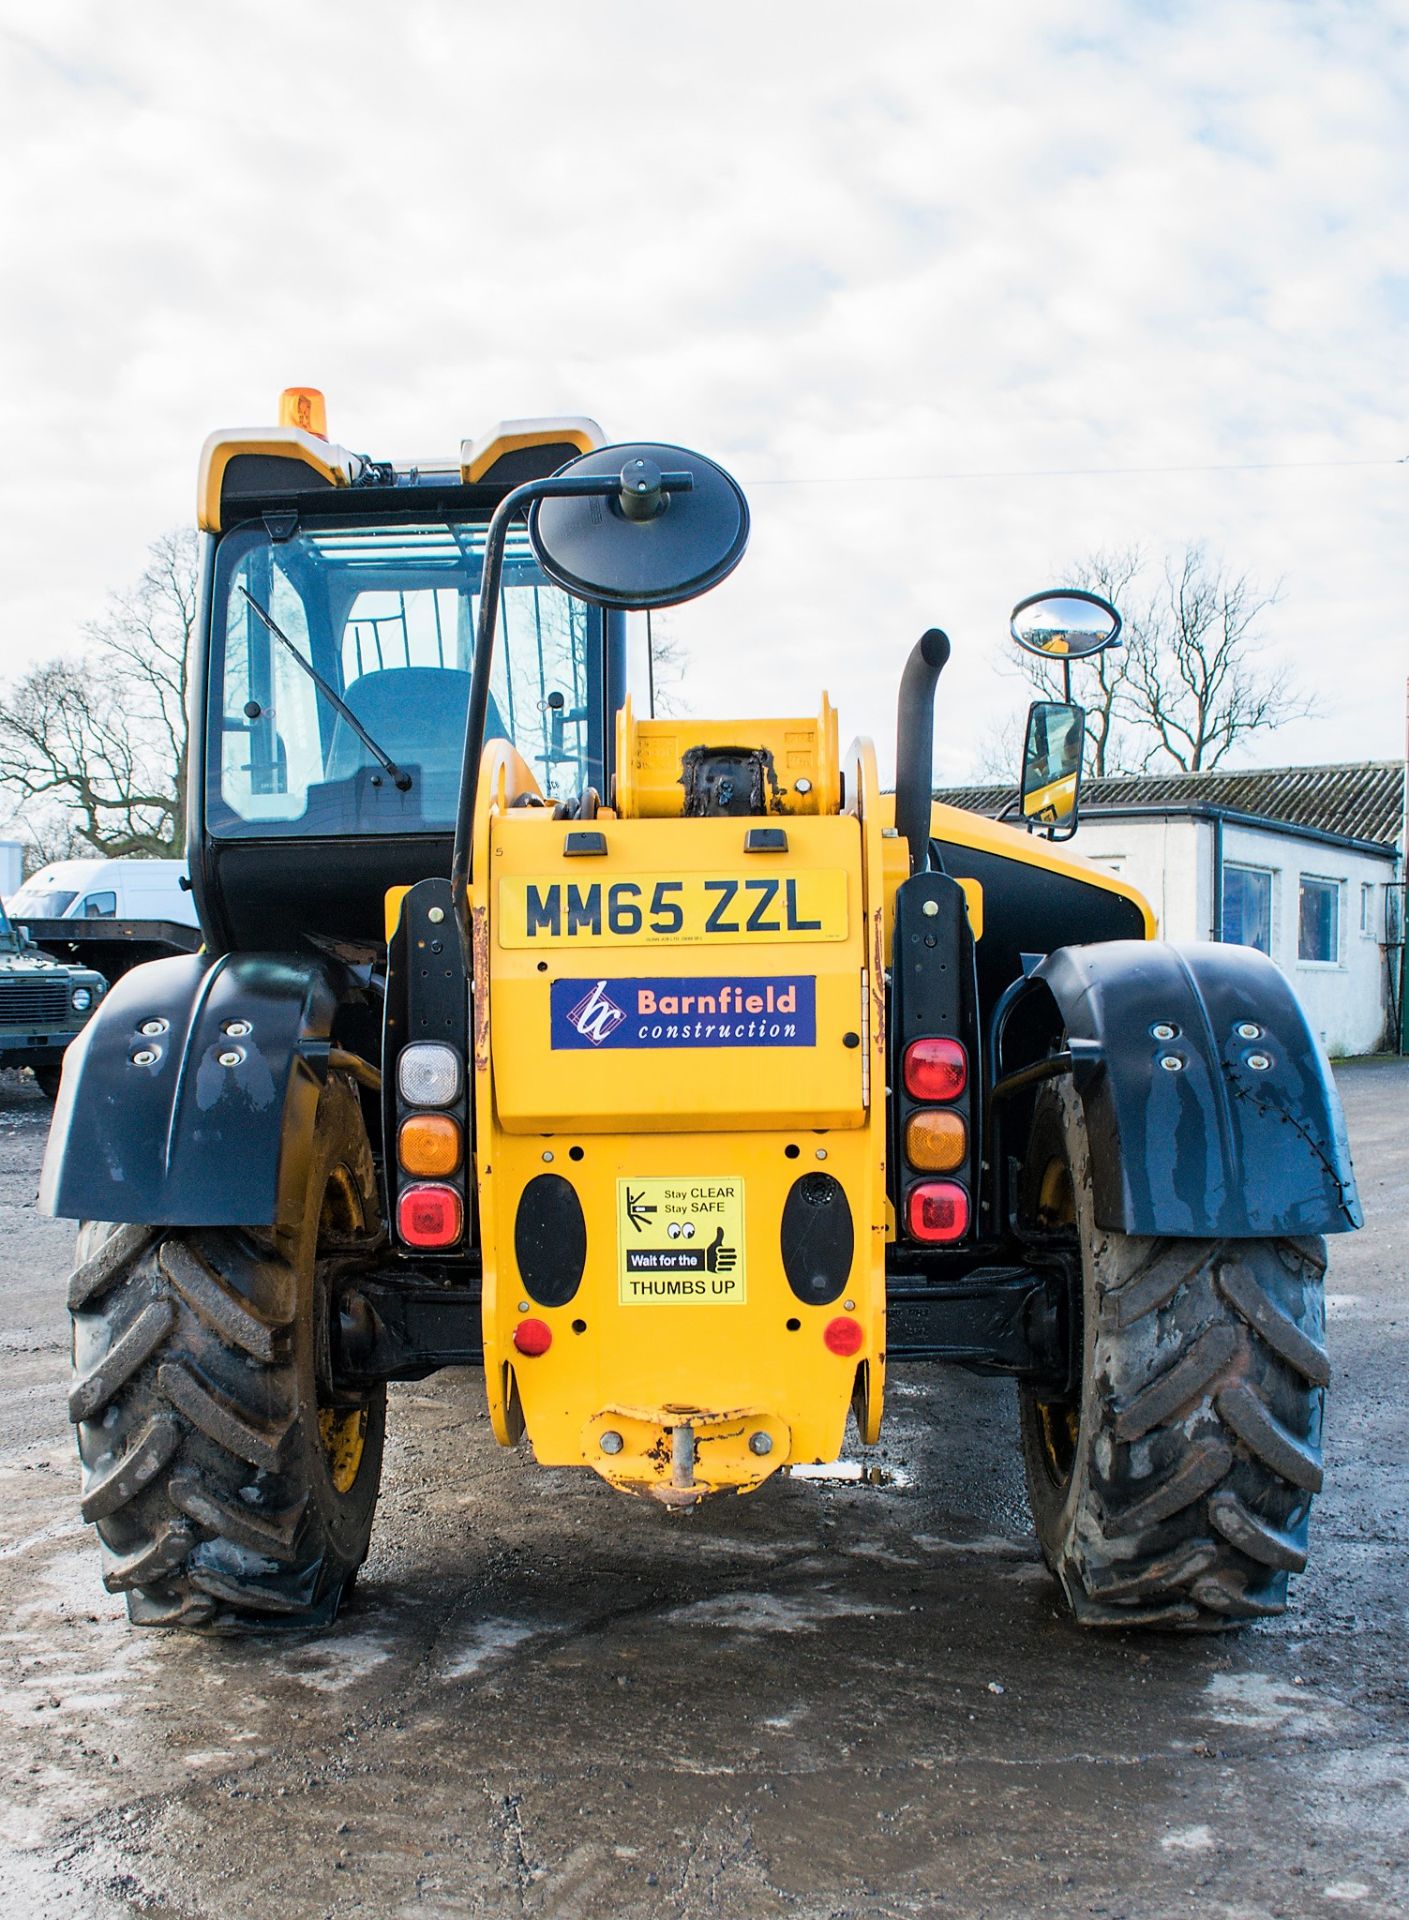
x=429 y=1075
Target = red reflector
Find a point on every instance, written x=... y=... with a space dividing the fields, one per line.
x=938 y=1211
x=533 y=1336
x=935 y=1069
x=843 y=1336
x=429 y=1216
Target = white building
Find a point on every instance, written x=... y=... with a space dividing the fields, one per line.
x=1304 y=863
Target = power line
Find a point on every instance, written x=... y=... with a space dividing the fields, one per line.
x=1071 y=473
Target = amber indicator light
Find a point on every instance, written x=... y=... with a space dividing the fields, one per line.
x=430 y=1145
x=936 y=1140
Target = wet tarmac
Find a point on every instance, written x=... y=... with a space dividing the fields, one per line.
x=848 y=1696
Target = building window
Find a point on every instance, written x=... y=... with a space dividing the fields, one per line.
x=1318 y=921
x=1247 y=907
x=1367 y=909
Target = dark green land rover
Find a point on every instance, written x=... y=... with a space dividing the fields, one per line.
x=43 y=1004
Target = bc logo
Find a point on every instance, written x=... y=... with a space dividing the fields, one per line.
x=596 y=1015
x=677 y=1013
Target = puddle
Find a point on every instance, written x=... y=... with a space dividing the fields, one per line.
x=773 y=1612
x=989 y=1543
x=486 y=1642
x=1259 y=1700
x=64 y=1529
x=335 y=1664
x=784 y=1722
x=853 y=1473
x=1188 y=1840
x=877 y=1550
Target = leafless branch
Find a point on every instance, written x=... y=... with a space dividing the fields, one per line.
x=98 y=739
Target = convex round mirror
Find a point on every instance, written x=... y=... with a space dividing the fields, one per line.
x=650 y=546
x=1065 y=625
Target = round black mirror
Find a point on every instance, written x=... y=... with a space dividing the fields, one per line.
x=1065 y=625
x=652 y=545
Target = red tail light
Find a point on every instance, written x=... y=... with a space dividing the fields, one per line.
x=937 y=1211
x=429 y=1216
x=935 y=1069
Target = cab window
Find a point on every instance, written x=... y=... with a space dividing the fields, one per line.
x=383 y=618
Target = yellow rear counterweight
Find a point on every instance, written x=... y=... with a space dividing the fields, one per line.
x=679 y=1042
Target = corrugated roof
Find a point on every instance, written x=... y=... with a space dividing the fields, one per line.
x=1364 y=801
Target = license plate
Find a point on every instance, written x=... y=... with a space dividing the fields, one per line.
x=692 y=909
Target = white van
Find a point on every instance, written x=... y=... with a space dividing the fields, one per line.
x=106 y=890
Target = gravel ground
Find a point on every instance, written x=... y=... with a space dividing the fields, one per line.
x=837 y=1698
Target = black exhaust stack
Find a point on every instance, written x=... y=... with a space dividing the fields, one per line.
x=914 y=743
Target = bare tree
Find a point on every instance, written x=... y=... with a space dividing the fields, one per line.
x=670 y=663
x=1194 y=687
x=97 y=741
x=1187 y=686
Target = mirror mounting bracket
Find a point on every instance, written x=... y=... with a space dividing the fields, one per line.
x=554 y=487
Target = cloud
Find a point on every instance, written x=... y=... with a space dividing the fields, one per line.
x=860 y=255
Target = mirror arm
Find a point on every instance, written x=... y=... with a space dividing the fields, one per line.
x=914 y=744
x=477 y=706
x=555 y=487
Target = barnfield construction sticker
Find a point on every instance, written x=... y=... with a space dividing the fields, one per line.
x=680 y=1242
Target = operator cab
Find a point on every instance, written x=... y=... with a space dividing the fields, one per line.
x=340 y=651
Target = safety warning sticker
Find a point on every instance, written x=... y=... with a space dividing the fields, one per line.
x=680 y=1241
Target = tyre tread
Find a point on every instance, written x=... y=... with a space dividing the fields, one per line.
x=95 y=1390
x=210 y=1295
x=1261 y=1434
x=102 y=1270
x=273 y=1534
x=195 y=1394
x=1199 y=1441
x=1239 y=1286
x=220 y=1420
x=105 y=1492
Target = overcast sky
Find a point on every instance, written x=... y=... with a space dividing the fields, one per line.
x=959 y=294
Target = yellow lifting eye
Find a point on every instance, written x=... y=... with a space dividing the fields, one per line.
x=429 y=1144
x=936 y=1142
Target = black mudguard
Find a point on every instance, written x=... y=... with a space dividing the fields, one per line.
x=1221 y=1144
x=180 y=1138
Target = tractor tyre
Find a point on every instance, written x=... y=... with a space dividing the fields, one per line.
x=48 y=1079
x=231 y=1480
x=1173 y=1490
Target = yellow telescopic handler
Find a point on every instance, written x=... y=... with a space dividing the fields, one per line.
x=665 y=1067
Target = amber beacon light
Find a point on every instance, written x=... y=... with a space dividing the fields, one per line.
x=305 y=408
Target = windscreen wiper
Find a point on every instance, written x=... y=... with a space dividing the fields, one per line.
x=400 y=780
